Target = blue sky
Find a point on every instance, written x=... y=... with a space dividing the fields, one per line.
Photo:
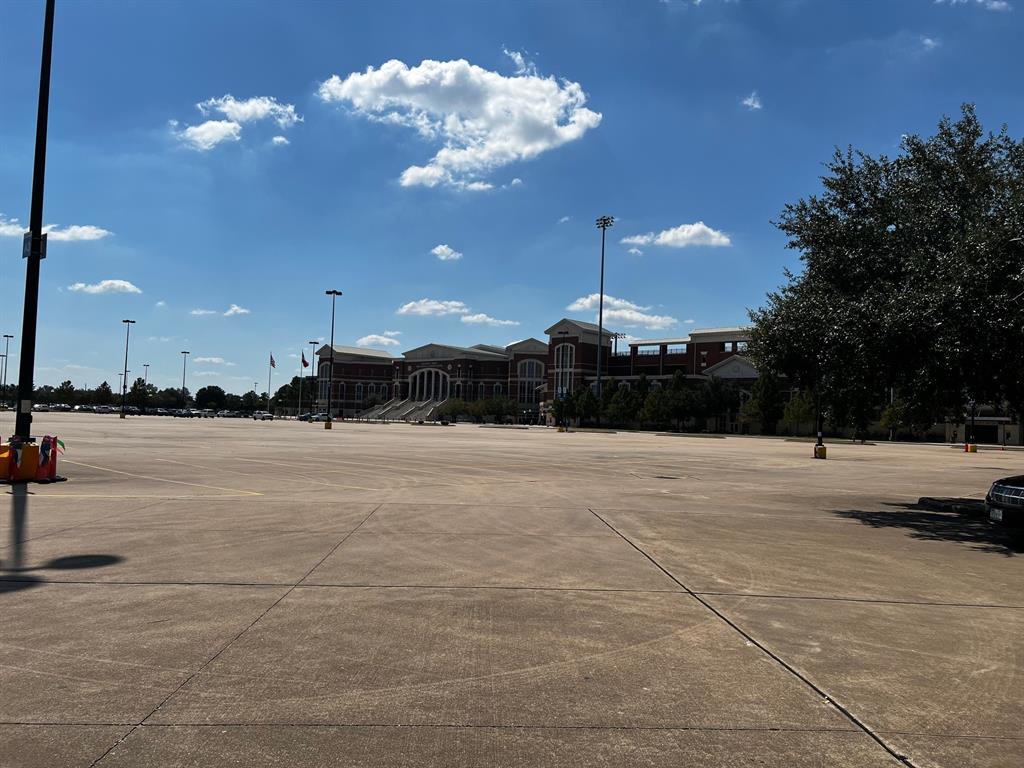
x=498 y=131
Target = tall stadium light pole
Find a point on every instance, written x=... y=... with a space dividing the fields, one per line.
x=7 y=360
x=330 y=382
x=124 y=387
x=314 y=397
x=603 y=222
x=184 y=360
x=34 y=247
x=145 y=374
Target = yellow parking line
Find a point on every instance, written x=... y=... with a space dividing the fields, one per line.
x=234 y=491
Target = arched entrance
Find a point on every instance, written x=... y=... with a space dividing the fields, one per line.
x=429 y=384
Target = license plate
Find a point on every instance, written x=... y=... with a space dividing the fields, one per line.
x=995 y=514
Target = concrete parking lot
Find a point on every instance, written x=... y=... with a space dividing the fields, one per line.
x=224 y=592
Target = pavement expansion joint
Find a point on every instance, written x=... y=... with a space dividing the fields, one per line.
x=767 y=651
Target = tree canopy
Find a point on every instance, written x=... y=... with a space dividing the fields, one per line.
x=912 y=279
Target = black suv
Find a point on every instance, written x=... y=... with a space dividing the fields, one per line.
x=1005 y=500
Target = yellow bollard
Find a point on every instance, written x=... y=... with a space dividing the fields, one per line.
x=327 y=425
x=820 y=452
x=972 y=448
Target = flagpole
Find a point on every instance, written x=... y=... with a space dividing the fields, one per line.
x=270 y=370
x=298 y=411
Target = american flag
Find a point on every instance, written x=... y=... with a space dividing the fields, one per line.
x=305 y=363
x=272 y=363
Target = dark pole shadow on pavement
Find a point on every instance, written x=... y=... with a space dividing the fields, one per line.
x=930 y=525
x=14 y=574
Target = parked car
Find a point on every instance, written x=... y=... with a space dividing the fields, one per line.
x=104 y=409
x=304 y=417
x=84 y=409
x=41 y=408
x=319 y=417
x=1005 y=500
x=263 y=416
x=225 y=414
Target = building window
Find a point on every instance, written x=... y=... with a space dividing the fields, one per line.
x=497 y=390
x=359 y=393
x=677 y=349
x=565 y=361
x=655 y=350
x=704 y=359
x=530 y=375
x=481 y=391
x=741 y=346
x=727 y=346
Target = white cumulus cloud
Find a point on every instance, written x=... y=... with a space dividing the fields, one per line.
x=433 y=307
x=635 y=251
x=446 y=253
x=249 y=110
x=483 y=120
x=234 y=309
x=105 y=286
x=75 y=232
x=280 y=141
x=988 y=5
x=481 y=319
x=752 y=102
x=623 y=312
x=208 y=135
x=203 y=312
x=563 y=220
x=682 y=236
x=236 y=112
x=377 y=340
x=212 y=360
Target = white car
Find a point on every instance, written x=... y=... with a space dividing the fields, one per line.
x=263 y=416
x=319 y=417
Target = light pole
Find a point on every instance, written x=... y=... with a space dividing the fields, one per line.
x=314 y=396
x=34 y=243
x=330 y=382
x=145 y=387
x=7 y=358
x=124 y=386
x=184 y=360
x=603 y=222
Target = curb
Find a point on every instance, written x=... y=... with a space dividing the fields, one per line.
x=972 y=507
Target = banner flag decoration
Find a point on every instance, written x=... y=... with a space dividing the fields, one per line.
x=305 y=363
x=272 y=363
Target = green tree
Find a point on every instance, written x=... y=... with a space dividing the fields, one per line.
x=103 y=394
x=656 y=409
x=251 y=401
x=798 y=412
x=142 y=395
x=912 y=272
x=625 y=406
x=66 y=393
x=764 y=407
x=210 y=397
x=586 y=404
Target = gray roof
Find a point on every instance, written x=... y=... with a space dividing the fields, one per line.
x=579 y=323
x=325 y=351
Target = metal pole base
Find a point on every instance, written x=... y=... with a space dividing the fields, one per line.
x=122 y=415
x=327 y=425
